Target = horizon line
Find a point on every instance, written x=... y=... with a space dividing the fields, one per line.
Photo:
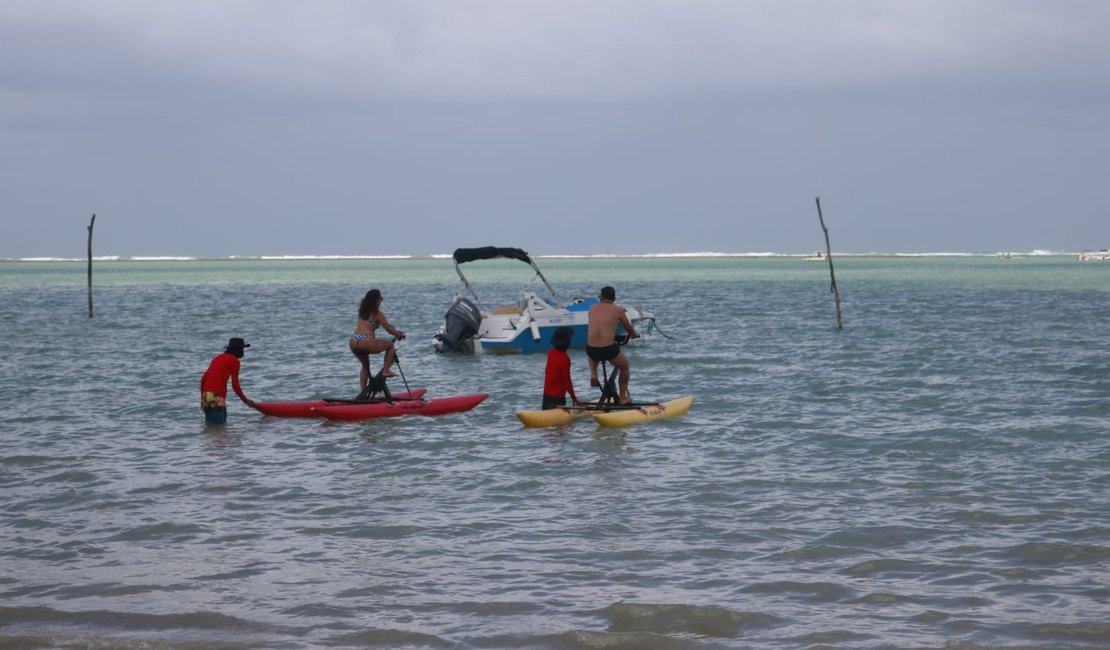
x=448 y=256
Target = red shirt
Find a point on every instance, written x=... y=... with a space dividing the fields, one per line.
x=215 y=378
x=556 y=377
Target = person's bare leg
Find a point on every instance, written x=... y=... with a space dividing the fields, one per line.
x=387 y=363
x=620 y=363
x=364 y=367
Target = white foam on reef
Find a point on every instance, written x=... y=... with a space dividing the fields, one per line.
x=657 y=255
x=162 y=258
x=328 y=257
x=939 y=254
x=96 y=258
x=441 y=256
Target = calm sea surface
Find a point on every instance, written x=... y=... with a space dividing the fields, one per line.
x=934 y=475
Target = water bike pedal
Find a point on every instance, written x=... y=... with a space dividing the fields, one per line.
x=374 y=386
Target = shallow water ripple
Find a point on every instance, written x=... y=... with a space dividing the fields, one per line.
x=933 y=476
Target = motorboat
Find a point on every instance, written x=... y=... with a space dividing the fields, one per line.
x=1101 y=255
x=471 y=327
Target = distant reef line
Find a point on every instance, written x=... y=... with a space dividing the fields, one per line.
x=447 y=256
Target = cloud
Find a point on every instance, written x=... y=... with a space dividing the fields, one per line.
x=533 y=50
x=294 y=121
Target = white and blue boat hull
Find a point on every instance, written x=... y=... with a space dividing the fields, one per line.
x=526 y=327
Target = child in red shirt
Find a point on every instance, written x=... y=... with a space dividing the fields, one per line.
x=556 y=377
x=213 y=385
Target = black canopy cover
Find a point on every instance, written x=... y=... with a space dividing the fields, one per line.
x=488 y=253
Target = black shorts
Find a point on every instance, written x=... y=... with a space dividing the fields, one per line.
x=603 y=354
x=553 y=402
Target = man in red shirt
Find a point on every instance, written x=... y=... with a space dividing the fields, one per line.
x=556 y=377
x=213 y=385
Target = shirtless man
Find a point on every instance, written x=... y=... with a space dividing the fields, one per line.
x=601 y=339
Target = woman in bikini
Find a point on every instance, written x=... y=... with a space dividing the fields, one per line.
x=363 y=342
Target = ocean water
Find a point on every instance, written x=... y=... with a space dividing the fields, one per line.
x=934 y=475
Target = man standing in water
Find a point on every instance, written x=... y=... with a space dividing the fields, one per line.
x=213 y=385
x=601 y=339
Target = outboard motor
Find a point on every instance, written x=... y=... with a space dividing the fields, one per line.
x=460 y=324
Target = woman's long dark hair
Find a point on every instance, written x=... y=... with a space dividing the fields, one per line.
x=370 y=303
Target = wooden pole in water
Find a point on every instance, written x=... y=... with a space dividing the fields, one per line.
x=91 y=222
x=832 y=274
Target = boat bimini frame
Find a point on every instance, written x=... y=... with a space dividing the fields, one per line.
x=464 y=255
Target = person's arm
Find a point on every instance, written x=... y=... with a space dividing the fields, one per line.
x=238 y=389
x=632 y=333
x=569 y=382
x=387 y=326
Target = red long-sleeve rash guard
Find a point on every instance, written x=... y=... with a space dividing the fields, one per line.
x=556 y=379
x=215 y=378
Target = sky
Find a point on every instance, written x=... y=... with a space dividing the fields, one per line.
x=413 y=127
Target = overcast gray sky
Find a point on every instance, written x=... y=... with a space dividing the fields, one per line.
x=263 y=127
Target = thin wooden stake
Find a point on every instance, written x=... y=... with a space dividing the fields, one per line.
x=828 y=256
x=91 y=222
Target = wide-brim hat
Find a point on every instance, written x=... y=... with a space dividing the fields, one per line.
x=237 y=344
